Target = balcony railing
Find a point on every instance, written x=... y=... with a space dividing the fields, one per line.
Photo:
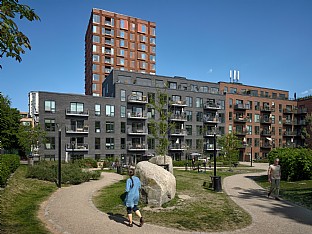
x=178 y=103
x=266 y=133
x=266 y=145
x=77 y=147
x=288 y=111
x=133 y=98
x=265 y=120
x=290 y=133
x=267 y=109
x=241 y=133
x=241 y=120
x=212 y=106
x=300 y=122
x=137 y=131
x=178 y=132
x=137 y=115
x=288 y=122
x=241 y=107
x=77 y=113
x=177 y=146
x=76 y=129
x=178 y=117
x=301 y=111
x=211 y=133
x=209 y=146
x=137 y=147
x=210 y=119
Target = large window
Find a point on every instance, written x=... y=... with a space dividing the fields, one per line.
x=97 y=126
x=49 y=125
x=110 y=143
x=151 y=143
x=189 y=101
x=199 y=116
x=97 y=109
x=50 y=143
x=188 y=129
x=76 y=107
x=122 y=95
x=122 y=111
x=97 y=143
x=123 y=127
x=189 y=115
x=49 y=106
x=96 y=19
x=110 y=110
x=199 y=102
x=110 y=127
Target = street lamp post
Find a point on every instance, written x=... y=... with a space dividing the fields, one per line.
x=250 y=155
x=214 y=154
x=59 y=184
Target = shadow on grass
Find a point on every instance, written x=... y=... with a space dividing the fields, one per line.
x=282 y=208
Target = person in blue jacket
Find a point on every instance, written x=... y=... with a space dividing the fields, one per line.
x=133 y=186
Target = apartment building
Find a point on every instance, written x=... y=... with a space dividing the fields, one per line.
x=120 y=42
x=262 y=118
x=117 y=124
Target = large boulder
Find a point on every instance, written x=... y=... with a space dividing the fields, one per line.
x=158 y=185
x=162 y=161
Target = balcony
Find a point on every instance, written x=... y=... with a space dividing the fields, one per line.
x=290 y=133
x=288 y=111
x=137 y=147
x=265 y=121
x=301 y=111
x=77 y=147
x=300 y=122
x=266 y=145
x=178 y=132
x=240 y=120
x=76 y=113
x=75 y=129
x=267 y=109
x=241 y=133
x=212 y=106
x=209 y=147
x=178 y=117
x=178 y=103
x=210 y=119
x=288 y=122
x=211 y=133
x=266 y=133
x=241 y=107
x=137 y=115
x=133 y=98
x=177 y=147
x=137 y=131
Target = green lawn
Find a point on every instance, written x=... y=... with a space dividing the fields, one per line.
x=204 y=211
x=299 y=192
x=20 y=201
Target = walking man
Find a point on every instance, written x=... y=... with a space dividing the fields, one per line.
x=274 y=177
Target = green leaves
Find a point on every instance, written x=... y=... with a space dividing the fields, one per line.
x=13 y=41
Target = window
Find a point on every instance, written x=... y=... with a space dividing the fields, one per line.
x=122 y=95
x=123 y=127
x=151 y=113
x=280 y=108
x=189 y=130
x=96 y=39
x=199 y=116
x=249 y=129
x=122 y=23
x=257 y=142
x=153 y=58
x=280 y=119
x=189 y=143
x=273 y=119
x=257 y=118
x=97 y=143
x=50 y=143
x=110 y=143
x=204 y=89
x=110 y=110
x=230 y=103
x=172 y=85
x=121 y=43
x=76 y=107
x=199 y=130
x=97 y=126
x=96 y=58
x=230 y=116
x=94 y=87
x=122 y=143
x=49 y=106
x=153 y=49
x=110 y=127
x=122 y=34
x=189 y=101
x=189 y=115
x=152 y=40
x=122 y=111
x=153 y=31
x=94 y=48
x=199 y=102
x=257 y=130
x=97 y=109
x=194 y=88
x=95 y=67
x=214 y=90
x=96 y=19
x=96 y=77
x=233 y=90
x=257 y=105
x=199 y=144
x=230 y=128
x=151 y=143
x=49 y=125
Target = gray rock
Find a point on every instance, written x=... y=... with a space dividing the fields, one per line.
x=158 y=185
x=159 y=160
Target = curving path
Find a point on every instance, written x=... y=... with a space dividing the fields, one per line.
x=70 y=210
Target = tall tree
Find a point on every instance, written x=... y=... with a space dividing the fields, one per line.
x=13 y=41
x=9 y=124
x=229 y=144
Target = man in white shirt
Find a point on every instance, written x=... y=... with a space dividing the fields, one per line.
x=274 y=177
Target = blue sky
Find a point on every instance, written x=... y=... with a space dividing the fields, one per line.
x=268 y=41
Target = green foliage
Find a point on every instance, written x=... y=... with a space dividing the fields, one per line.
x=86 y=163
x=71 y=172
x=296 y=163
x=8 y=164
x=181 y=163
x=229 y=144
x=9 y=123
x=13 y=41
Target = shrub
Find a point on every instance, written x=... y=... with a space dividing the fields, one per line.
x=86 y=163
x=296 y=164
x=181 y=163
x=71 y=173
x=8 y=164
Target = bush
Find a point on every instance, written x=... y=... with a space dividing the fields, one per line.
x=181 y=163
x=71 y=173
x=296 y=164
x=8 y=164
x=86 y=163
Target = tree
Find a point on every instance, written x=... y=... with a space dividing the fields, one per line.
x=9 y=124
x=13 y=41
x=229 y=144
x=30 y=138
x=160 y=127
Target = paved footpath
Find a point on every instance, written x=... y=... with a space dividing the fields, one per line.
x=70 y=210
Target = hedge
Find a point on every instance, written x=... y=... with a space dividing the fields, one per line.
x=296 y=163
x=8 y=164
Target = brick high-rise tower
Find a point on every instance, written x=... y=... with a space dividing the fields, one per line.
x=116 y=41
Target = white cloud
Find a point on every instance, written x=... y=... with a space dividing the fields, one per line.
x=305 y=92
x=209 y=71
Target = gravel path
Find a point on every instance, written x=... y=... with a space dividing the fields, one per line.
x=70 y=210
